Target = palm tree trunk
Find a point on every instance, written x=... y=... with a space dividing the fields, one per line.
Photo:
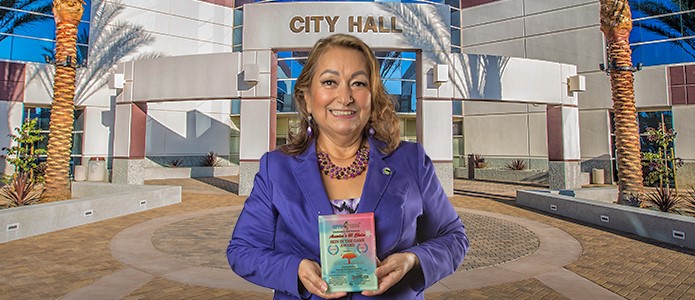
x=616 y=24
x=67 y=15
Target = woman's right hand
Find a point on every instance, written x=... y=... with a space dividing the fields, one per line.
x=310 y=275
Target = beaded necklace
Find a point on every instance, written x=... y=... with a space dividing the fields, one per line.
x=353 y=170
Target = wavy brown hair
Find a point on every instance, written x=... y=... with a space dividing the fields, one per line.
x=383 y=117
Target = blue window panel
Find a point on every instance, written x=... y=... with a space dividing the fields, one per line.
x=653 y=54
x=44 y=27
x=408 y=69
x=457 y=108
x=285 y=102
x=393 y=87
x=43 y=116
x=667 y=27
x=86 y=15
x=237 y=36
x=409 y=55
x=455 y=37
x=236 y=106
x=26 y=49
x=238 y=17
x=454 y=3
x=6 y=46
x=283 y=69
x=296 y=67
x=284 y=54
x=455 y=18
x=391 y=69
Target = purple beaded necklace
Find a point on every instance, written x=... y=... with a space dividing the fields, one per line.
x=353 y=170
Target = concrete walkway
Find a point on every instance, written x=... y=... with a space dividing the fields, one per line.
x=178 y=252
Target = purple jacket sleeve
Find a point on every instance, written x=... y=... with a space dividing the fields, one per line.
x=442 y=241
x=251 y=252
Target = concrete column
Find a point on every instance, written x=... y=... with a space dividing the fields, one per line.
x=258 y=116
x=11 y=116
x=564 y=159
x=434 y=117
x=129 y=143
x=434 y=132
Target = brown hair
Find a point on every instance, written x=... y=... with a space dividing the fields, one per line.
x=383 y=117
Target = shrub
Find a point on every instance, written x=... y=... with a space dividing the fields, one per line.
x=21 y=190
x=661 y=163
x=517 y=164
x=23 y=155
x=210 y=159
x=479 y=161
x=175 y=163
x=664 y=199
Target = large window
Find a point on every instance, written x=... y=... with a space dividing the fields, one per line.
x=645 y=120
x=27 y=31
x=43 y=116
x=662 y=26
x=397 y=72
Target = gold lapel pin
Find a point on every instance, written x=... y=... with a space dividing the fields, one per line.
x=387 y=171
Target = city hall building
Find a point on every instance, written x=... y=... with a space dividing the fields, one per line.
x=166 y=83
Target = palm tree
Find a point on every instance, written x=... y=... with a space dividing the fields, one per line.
x=616 y=24
x=669 y=25
x=10 y=20
x=67 y=15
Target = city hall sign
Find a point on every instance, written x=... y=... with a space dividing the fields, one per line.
x=316 y=24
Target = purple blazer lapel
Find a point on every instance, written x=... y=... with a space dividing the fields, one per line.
x=379 y=176
x=308 y=178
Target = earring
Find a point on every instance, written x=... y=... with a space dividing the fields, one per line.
x=371 y=131
x=309 y=131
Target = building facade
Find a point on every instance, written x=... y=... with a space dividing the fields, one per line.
x=217 y=76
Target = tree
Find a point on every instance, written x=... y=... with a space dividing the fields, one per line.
x=67 y=15
x=616 y=24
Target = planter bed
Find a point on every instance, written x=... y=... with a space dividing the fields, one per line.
x=93 y=202
x=670 y=228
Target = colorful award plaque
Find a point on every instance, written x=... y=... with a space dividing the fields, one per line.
x=348 y=252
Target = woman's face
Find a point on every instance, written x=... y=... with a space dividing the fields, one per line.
x=339 y=96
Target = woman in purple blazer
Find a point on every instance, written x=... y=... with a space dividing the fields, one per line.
x=346 y=158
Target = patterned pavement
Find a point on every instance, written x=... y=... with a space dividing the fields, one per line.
x=82 y=262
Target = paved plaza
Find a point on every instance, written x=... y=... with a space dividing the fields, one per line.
x=178 y=252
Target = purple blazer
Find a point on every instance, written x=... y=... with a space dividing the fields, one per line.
x=278 y=226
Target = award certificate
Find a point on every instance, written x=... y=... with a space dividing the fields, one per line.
x=348 y=252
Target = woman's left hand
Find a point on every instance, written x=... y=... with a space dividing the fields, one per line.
x=392 y=270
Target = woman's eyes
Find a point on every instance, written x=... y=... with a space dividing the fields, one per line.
x=331 y=82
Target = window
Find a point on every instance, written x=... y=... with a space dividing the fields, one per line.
x=397 y=73
x=645 y=120
x=235 y=139
x=662 y=27
x=27 y=31
x=43 y=115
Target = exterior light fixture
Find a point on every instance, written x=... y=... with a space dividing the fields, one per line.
x=576 y=83
x=440 y=73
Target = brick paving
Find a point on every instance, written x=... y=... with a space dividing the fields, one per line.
x=52 y=265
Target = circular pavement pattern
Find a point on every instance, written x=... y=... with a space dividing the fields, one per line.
x=495 y=241
x=202 y=240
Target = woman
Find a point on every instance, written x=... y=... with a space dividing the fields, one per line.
x=346 y=158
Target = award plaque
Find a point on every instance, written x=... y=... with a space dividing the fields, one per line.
x=348 y=252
